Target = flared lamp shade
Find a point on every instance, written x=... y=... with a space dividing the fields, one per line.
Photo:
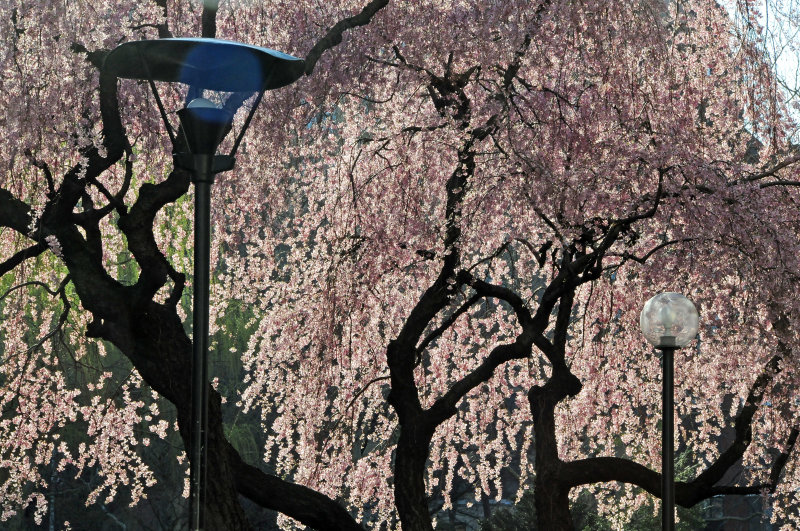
x=669 y=320
x=204 y=125
x=210 y=64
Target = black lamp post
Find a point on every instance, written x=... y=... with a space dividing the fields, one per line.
x=204 y=65
x=669 y=321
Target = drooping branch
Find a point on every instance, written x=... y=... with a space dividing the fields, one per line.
x=62 y=318
x=42 y=285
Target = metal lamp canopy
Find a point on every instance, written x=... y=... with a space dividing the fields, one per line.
x=669 y=320
x=211 y=64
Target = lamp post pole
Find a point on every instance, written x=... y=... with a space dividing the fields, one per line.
x=667 y=436
x=199 y=437
x=669 y=321
x=203 y=126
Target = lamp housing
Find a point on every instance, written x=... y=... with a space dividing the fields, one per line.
x=204 y=125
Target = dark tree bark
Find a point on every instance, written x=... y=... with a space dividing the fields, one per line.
x=152 y=337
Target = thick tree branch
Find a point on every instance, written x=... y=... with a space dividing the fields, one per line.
x=163 y=29
x=561 y=331
x=137 y=226
x=14 y=213
x=305 y=505
x=780 y=462
x=149 y=334
x=604 y=469
x=771 y=171
x=499 y=292
x=208 y=19
x=447 y=323
x=51 y=190
x=21 y=256
x=445 y=406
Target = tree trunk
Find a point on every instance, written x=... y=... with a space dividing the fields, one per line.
x=551 y=497
x=409 y=479
x=155 y=341
x=552 y=506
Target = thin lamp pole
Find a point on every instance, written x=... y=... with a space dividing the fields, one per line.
x=667 y=434
x=203 y=178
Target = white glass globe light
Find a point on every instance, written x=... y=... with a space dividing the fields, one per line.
x=669 y=320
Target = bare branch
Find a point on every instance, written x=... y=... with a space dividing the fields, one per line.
x=642 y=259
x=447 y=323
x=334 y=35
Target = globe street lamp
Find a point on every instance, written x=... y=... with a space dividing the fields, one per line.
x=669 y=321
x=214 y=66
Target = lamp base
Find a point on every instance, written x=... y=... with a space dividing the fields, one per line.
x=203 y=167
x=667 y=342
